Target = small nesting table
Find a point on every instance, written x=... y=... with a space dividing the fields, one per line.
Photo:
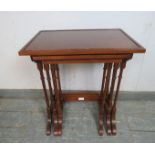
x=112 y=47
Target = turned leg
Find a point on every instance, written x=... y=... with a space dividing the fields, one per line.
x=58 y=101
x=48 y=128
x=110 y=96
x=101 y=103
x=59 y=86
x=113 y=111
x=103 y=107
x=107 y=105
x=46 y=67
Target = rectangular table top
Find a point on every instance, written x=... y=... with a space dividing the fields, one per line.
x=84 y=41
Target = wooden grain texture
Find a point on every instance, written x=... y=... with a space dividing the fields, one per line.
x=89 y=41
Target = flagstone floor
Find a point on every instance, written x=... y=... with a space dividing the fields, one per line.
x=23 y=120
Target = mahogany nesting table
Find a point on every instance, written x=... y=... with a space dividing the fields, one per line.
x=112 y=47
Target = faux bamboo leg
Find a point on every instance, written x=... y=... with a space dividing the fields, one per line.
x=58 y=107
x=101 y=103
x=110 y=97
x=59 y=86
x=58 y=98
x=46 y=67
x=48 y=127
x=113 y=111
x=107 y=108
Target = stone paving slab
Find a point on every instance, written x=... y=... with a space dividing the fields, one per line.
x=136 y=107
x=14 y=119
x=14 y=104
x=144 y=137
x=145 y=124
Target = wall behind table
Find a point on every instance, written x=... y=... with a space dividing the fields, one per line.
x=16 y=28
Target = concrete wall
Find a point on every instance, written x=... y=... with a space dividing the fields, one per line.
x=16 y=28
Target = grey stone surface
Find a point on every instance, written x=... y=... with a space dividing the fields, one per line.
x=23 y=120
x=145 y=137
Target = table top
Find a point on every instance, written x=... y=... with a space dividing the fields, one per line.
x=84 y=41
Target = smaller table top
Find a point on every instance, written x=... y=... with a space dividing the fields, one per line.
x=88 y=41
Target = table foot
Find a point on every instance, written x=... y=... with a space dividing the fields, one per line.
x=55 y=122
x=108 y=123
x=100 y=123
x=100 y=130
x=48 y=128
x=57 y=131
x=57 y=128
x=113 y=122
x=114 y=129
x=100 y=119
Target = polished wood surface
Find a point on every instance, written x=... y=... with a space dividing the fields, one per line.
x=112 y=47
x=72 y=42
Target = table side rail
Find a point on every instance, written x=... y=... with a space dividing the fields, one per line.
x=81 y=58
